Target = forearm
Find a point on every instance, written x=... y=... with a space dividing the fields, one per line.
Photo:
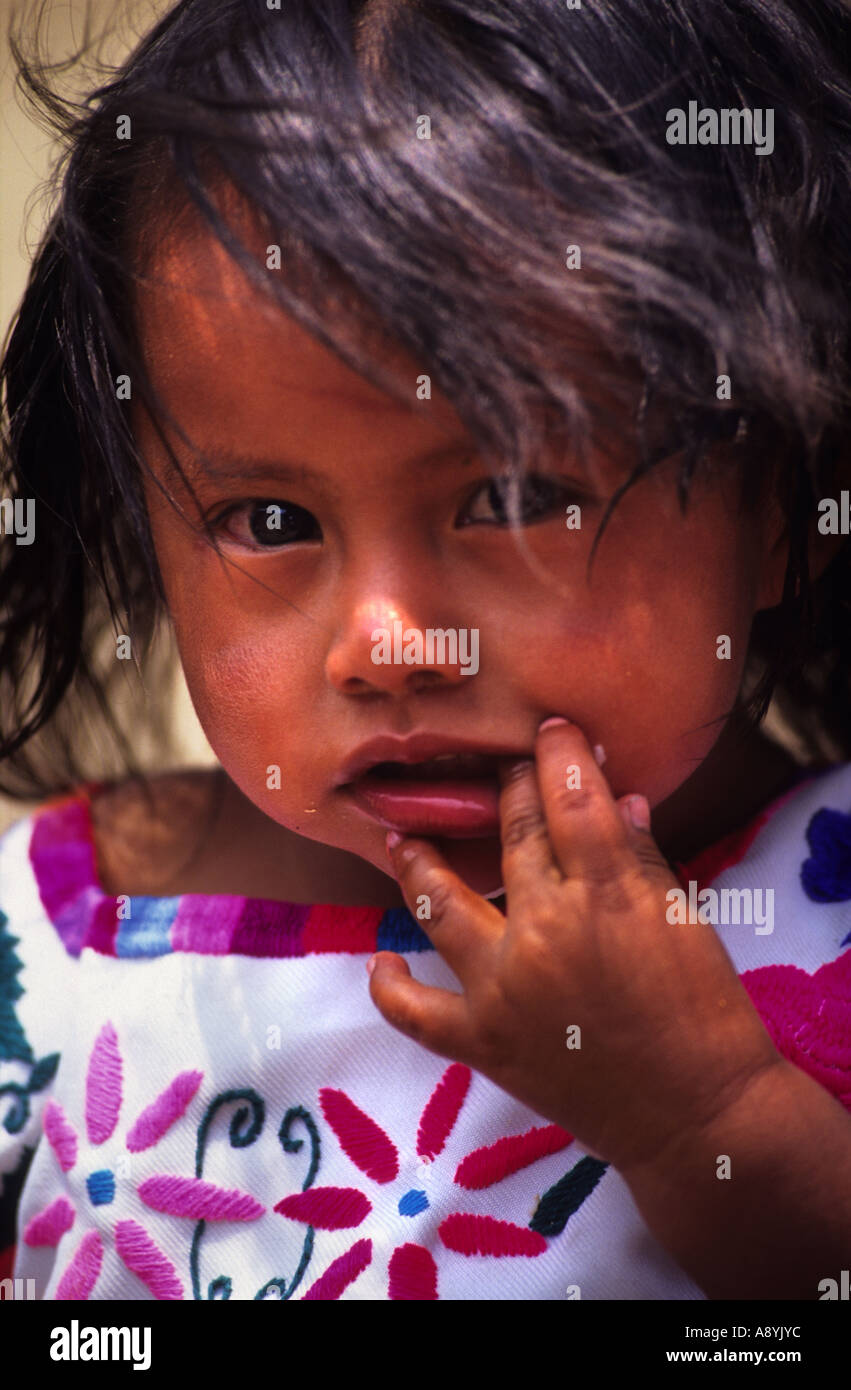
x=781 y=1222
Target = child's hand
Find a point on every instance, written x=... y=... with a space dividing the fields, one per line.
x=668 y=1036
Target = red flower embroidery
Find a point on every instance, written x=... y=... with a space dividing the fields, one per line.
x=412 y=1272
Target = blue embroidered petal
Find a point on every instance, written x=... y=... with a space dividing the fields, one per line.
x=413 y=1202
x=101 y=1187
x=826 y=875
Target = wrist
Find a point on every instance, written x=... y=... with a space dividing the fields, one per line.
x=738 y=1120
x=756 y=1202
x=717 y=1079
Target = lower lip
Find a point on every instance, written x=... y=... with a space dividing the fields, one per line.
x=464 y=809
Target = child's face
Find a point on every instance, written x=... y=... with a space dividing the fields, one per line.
x=278 y=652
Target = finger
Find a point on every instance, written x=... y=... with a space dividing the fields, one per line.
x=460 y=924
x=435 y=1018
x=527 y=853
x=635 y=812
x=588 y=835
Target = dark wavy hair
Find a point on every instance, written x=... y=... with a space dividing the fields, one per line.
x=547 y=129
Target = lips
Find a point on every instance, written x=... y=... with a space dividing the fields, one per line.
x=428 y=786
x=459 y=808
x=424 y=749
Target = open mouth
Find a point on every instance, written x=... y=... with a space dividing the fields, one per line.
x=454 y=794
x=445 y=767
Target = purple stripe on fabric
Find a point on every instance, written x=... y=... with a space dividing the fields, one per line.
x=62 y=855
x=270 y=929
x=206 y=924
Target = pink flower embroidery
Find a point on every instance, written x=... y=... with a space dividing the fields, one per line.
x=808 y=1018
x=164 y=1192
x=412 y=1272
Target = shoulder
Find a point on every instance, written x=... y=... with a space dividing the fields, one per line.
x=800 y=984
x=139 y=805
x=808 y=820
x=792 y=865
x=127 y=836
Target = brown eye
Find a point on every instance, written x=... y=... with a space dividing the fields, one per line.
x=538 y=496
x=269 y=524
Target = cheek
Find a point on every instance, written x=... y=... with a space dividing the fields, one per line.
x=250 y=693
x=253 y=700
x=254 y=679
x=649 y=658
x=245 y=681
x=674 y=608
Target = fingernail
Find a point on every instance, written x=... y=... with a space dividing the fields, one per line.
x=639 y=812
x=551 y=722
x=371 y=964
x=392 y=841
x=599 y=754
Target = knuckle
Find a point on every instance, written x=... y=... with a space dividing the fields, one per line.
x=646 y=887
x=490 y=1029
x=543 y=893
x=532 y=957
x=522 y=825
x=536 y=955
x=574 y=800
x=439 y=894
x=403 y=1013
x=620 y=888
x=599 y=822
x=615 y=894
x=650 y=859
x=516 y=772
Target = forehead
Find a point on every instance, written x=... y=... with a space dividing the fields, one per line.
x=220 y=351
x=231 y=365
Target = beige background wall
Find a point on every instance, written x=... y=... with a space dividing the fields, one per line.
x=26 y=154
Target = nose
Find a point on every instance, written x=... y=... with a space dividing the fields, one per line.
x=382 y=648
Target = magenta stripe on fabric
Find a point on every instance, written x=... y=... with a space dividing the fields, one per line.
x=206 y=924
x=103 y=926
x=270 y=928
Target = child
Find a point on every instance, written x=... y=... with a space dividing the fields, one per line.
x=453 y=416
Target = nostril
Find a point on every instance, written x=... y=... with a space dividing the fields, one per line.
x=424 y=678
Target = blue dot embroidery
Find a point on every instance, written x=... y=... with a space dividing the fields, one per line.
x=413 y=1202
x=826 y=875
x=101 y=1187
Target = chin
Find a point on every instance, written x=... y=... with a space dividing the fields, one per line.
x=477 y=862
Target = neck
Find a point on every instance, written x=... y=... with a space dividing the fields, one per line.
x=743 y=772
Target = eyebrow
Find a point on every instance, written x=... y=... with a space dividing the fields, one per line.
x=224 y=465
